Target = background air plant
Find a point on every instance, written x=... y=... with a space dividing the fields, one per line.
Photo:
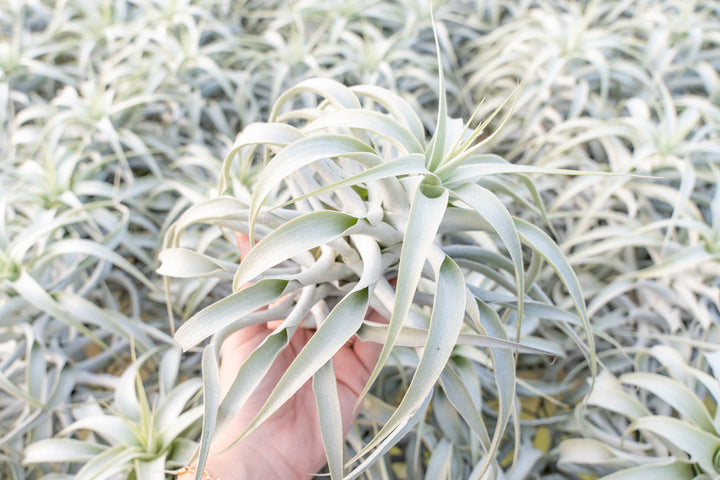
x=664 y=420
x=137 y=433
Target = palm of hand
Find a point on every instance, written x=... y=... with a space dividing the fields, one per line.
x=287 y=445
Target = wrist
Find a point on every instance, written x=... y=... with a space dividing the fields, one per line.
x=240 y=467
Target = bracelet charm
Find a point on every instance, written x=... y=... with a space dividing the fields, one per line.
x=193 y=470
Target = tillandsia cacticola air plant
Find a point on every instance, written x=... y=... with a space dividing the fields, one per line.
x=341 y=193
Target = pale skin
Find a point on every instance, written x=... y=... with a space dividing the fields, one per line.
x=288 y=445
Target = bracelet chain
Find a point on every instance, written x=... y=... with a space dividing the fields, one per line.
x=193 y=470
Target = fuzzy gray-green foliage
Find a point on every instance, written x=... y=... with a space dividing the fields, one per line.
x=115 y=117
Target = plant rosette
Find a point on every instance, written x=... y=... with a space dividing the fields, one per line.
x=136 y=435
x=659 y=421
x=341 y=191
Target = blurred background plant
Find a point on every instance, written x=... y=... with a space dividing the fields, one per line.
x=115 y=117
x=658 y=421
x=135 y=433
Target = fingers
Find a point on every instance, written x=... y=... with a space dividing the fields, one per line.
x=244 y=335
x=245 y=340
x=243 y=242
x=368 y=354
x=375 y=317
x=273 y=324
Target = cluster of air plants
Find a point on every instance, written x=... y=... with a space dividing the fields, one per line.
x=612 y=90
x=93 y=165
x=114 y=120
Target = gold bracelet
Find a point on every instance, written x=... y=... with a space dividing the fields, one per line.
x=193 y=470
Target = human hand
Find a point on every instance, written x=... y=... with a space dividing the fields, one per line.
x=288 y=445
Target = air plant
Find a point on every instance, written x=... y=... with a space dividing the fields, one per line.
x=341 y=192
x=137 y=432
